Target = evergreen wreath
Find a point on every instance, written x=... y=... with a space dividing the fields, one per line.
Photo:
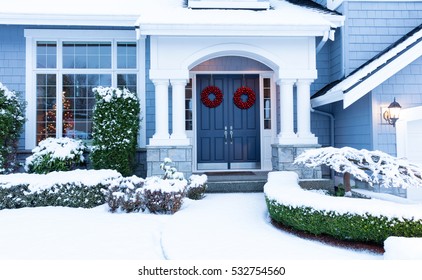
x=237 y=98
x=205 y=96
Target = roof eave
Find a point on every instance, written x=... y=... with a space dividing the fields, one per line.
x=231 y=30
x=69 y=20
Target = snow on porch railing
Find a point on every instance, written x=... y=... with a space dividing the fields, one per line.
x=229 y=4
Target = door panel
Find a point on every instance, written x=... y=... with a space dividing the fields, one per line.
x=228 y=137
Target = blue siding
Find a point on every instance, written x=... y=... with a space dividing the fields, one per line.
x=12 y=61
x=372 y=26
x=353 y=126
x=406 y=87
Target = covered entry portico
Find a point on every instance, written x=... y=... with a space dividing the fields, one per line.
x=287 y=49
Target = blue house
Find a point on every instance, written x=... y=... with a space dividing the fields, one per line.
x=224 y=85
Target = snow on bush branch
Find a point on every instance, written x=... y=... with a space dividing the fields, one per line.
x=374 y=167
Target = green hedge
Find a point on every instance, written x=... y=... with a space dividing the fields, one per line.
x=68 y=195
x=79 y=188
x=354 y=227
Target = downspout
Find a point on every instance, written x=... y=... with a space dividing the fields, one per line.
x=329 y=34
x=323 y=41
x=331 y=116
x=332 y=141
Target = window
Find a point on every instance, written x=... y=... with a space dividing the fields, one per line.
x=188 y=106
x=267 y=103
x=64 y=75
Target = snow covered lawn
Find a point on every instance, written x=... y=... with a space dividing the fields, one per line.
x=221 y=226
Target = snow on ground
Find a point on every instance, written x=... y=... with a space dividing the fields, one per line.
x=237 y=226
x=221 y=226
x=60 y=233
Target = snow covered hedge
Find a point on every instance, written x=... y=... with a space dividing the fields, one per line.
x=52 y=154
x=368 y=220
x=115 y=129
x=12 y=119
x=78 y=188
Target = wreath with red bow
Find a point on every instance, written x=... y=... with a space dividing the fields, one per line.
x=211 y=90
x=250 y=101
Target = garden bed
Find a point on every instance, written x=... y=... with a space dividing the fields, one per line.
x=364 y=220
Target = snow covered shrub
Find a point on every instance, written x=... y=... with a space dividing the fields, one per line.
x=164 y=196
x=367 y=220
x=126 y=194
x=115 y=129
x=11 y=122
x=197 y=186
x=170 y=172
x=51 y=154
x=78 y=188
x=348 y=226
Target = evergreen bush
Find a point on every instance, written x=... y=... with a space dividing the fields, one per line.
x=126 y=194
x=11 y=123
x=115 y=129
x=78 y=188
x=350 y=226
x=197 y=187
x=51 y=154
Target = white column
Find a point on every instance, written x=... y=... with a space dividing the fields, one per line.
x=304 y=113
x=161 y=136
x=287 y=135
x=178 y=136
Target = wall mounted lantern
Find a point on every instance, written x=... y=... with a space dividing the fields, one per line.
x=392 y=114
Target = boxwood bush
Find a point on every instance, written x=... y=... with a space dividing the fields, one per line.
x=366 y=228
x=115 y=129
x=354 y=219
x=126 y=194
x=51 y=154
x=11 y=123
x=79 y=188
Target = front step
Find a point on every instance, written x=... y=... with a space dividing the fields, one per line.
x=258 y=186
x=235 y=186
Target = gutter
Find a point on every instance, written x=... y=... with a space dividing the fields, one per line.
x=327 y=35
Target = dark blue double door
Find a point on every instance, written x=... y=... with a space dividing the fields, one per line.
x=228 y=137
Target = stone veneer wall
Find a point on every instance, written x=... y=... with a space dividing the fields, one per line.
x=180 y=155
x=283 y=157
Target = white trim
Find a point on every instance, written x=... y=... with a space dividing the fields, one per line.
x=234 y=30
x=406 y=115
x=375 y=79
x=382 y=75
x=236 y=4
x=68 y=20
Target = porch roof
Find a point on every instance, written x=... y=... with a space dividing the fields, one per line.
x=374 y=72
x=173 y=17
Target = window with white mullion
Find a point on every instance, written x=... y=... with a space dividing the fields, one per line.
x=66 y=71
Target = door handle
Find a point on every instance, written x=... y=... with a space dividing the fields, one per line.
x=225 y=135
x=231 y=134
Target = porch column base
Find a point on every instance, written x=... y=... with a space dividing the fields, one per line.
x=283 y=157
x=180 y=155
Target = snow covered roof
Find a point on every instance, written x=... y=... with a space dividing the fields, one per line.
x=173 y=16
x=373 y=72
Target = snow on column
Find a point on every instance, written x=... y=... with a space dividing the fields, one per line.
x=161 y=136
x=178 y=136
x=287 y=135
x=304 y=113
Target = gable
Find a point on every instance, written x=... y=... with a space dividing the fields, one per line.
x=374 y=72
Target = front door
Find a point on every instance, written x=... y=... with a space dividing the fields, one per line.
x=228 y=133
